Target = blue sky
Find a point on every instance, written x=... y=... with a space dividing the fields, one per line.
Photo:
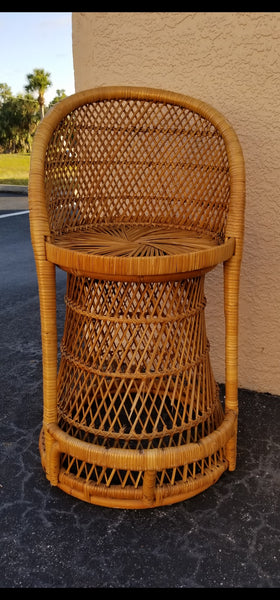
x=36 y=40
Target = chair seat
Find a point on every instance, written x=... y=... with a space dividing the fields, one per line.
x=136 y=251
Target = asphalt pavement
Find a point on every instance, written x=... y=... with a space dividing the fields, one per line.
x=226 y=537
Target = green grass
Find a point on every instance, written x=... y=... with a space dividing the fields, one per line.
x=14 y=169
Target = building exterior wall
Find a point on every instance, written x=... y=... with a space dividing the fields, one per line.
x=232 y=61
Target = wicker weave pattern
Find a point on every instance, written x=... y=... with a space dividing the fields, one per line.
x=135 y=374
x=137 y=194
x=137 y=161
x=131 y=354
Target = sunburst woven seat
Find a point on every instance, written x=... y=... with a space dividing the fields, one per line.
x=136 y=193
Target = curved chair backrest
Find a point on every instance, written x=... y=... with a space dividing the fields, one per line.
x=137 y=155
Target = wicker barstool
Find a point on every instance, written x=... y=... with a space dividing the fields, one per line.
x=136 y=193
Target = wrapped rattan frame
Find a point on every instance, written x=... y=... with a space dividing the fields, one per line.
x=223 y=243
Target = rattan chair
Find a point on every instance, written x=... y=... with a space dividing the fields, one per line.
x=136 y=193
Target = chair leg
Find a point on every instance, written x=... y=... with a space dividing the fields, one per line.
x=47 y=295
x=231 y=301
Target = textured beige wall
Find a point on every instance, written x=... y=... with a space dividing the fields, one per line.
x=232 y=61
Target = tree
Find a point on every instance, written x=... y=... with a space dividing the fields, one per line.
x=20 y=115
x=60 y=94
x=18 y=121
x=5 y=93
x=39 y=81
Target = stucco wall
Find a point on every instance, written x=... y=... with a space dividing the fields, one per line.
x=232 y=61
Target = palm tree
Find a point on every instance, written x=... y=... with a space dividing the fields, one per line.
x=39 y=81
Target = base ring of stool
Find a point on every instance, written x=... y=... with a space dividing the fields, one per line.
x=150 y=462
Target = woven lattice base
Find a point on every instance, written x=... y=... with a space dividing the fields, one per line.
x=140 y=420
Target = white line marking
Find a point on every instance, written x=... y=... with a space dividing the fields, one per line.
x=14 y=214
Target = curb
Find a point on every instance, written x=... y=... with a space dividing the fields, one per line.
x=14 y=189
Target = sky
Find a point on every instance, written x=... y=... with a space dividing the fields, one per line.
x=36 y=40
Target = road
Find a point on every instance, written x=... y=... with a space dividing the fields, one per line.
x=18 y=281
x=18 y=275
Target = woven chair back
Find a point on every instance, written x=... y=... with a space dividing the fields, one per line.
x=137 y=159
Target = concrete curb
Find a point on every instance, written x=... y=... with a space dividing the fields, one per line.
x=14 y=189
